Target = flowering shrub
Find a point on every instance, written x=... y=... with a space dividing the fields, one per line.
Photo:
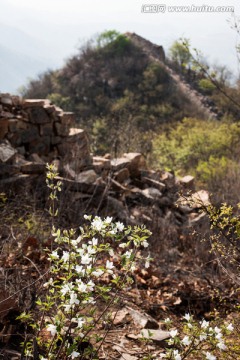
x=197 y=338
x=85 y=270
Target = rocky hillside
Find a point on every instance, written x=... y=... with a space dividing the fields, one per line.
x=34 y=132
x=120 y=87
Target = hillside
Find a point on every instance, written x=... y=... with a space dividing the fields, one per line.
x=117 y=86
x=183 y=276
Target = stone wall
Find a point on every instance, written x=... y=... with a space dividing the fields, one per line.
x=37 y=127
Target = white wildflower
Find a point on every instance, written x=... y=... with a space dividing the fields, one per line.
x=66 y=288
x=54 y=255
x=122 y=245
x=52 y=328
x=219 y=336
x=176 y=355
x=111 y=252
x=186 y=341
x=173 y=333
x=128 y=254
x=109 y=266
x=81 y=286
x=230 y=327
x=145 y=243
x=221 y=345
x=217 y=330
x=91 y=250
x=90 y=285
x=79 y=269
x=74 y=354
x=97 y=272
x=80 y=321
x=93 y=242
x=168 y=321
x=119 y=226
x=108 y=220
x=48 y=283
x=73 y=298
x=67 y=307
x=147 y=264
x=187 y=317
x=65 y=256
x=204 y=324
x=86 y=259
x=97 y=223
x=203 y=337
x=209 y=356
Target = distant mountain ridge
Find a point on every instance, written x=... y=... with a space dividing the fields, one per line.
x=21 y=57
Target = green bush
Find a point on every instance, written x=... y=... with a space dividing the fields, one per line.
x=208 y=150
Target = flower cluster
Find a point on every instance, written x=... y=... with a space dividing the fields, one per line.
x=93 y=266
x=199 y=337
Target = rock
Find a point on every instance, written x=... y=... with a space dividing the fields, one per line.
x=21 y=150
x=67 y=118
x=6 y=115
x=50 y=109
x=73 y=185
x=61 y=129
x=30 y=134
x=17 y=124
x=137 y=162
x=75 y=150
x=38 y=115
x=114 y=207
x=46 y=129
x=20 y=160
x=157 y=336
x=119 y=163
x=6 y=99
x=7 y=152
x=35 y=103
x=3 y=128
x=116 y=186
x=120 y=317
x=197 y=219
x=154 y=183
x=100 y=164
x=40 y=145
x=187 y=182
x=152 y=193
x=168 y=179
x=165 y=201
x=122 y=175
x=55 y=140
x=87 y=177
x=142 y=319
x=200 y=199
x=36 y=158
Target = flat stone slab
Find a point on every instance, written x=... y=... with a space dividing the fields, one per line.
x=7 y=152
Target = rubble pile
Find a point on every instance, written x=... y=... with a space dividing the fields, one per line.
x=34 y=132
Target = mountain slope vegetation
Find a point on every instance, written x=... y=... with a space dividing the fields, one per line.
x=118 y=92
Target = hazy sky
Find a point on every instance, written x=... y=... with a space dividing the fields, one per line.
x=62 y=25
